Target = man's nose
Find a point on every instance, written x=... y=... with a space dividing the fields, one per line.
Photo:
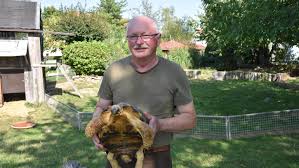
x=139 y=40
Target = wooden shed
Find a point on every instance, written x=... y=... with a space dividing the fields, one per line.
x=20 y=50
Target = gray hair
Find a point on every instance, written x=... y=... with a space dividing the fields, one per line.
x=153 y=21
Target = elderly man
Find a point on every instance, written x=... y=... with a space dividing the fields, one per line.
x=155 y=85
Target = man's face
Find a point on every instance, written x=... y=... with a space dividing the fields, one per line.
x=143 y=40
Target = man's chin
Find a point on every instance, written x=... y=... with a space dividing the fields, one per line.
x=140 y=55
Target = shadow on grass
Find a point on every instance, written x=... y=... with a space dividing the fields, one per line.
x=49 y=144
x=53 y=141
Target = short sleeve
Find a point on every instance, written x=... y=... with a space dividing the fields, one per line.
x=105 y=91
x=183 y=93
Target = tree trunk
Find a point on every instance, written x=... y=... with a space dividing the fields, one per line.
x=263 y=56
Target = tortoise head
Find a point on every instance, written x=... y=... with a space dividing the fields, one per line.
x=115 y=109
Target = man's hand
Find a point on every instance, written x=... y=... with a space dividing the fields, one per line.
x=153 y=122
x=97 y=143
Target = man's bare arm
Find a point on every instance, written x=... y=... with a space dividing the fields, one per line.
x=185 y=120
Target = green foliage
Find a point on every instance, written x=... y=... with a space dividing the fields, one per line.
x=146 y=9
x=87 y=58
x=173 y=28
x=118 y=48
x=85 y=26
x=51 y=18
x=113 y=8
x=50 y=11
x=182 y=57
x=245 y=29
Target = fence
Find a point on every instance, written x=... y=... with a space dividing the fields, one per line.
x=209 y=127
x=241 y=75
x=247 y=125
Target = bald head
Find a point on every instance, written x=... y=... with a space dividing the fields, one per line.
x=144 y=22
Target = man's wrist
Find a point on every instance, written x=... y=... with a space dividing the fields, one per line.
x=159 y=125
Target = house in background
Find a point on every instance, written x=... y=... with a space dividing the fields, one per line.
x=167 y=46
x=20 y=50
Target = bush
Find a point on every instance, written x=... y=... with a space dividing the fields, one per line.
x=87 y=58
x=117 y=44
x=182 y=57
x=85 y=25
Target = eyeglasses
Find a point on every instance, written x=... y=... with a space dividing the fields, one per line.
x=144 y=37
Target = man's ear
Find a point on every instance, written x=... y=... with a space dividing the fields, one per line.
x=159 y=39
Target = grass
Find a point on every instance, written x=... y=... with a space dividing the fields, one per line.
x=229 y=97
x=294 y=81
x=232 y=97
x=49 y=144
x=53 y=141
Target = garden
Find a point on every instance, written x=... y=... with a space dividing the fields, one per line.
x=248 y=41
x=54 y=141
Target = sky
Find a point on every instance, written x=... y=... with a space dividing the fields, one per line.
x=182 y=7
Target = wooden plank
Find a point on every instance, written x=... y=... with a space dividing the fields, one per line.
x=12 y=62
x=20 y=14
x=28 y=84
x=1 y=92
x=35 y=31
x=13 y=82
x=35 y=76
x=20 y=30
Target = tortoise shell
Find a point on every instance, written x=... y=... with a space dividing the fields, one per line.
x=122 y=129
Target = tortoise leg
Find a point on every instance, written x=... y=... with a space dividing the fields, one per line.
x=112 y=161
x=139 y=157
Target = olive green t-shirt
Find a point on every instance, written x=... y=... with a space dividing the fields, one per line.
x=157 y=91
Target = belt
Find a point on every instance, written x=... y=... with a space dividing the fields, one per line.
x=158 y=149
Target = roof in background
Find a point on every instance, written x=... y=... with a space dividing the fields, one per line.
x=172 y=44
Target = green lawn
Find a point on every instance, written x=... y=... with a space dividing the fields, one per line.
x=54 y=141
x=230 y=97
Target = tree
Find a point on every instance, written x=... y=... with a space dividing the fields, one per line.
x=250 y=31
x=146 y=9
x=85 y=26
x=113 y=8
x=50 y=11
x=174 y=28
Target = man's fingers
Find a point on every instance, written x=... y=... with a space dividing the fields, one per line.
x=95 y=139
x=97 y=143
x=148 y=115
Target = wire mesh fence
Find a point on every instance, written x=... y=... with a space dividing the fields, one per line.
x=209 y=127
x=69 y=113
x=247 y=125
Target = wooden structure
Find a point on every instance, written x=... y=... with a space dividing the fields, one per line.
x=20 y=49
x=1 y=94
x=166 y=46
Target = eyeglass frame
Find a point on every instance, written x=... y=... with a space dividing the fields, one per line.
x=148 y=37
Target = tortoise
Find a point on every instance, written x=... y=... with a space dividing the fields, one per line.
x=124 y=132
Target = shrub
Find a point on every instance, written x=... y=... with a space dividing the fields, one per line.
x=117 y=44
x=87 y=58
x=86 y=26
x=182 y=57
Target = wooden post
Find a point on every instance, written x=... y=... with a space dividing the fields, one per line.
x=1 y=92
x=34 y=78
